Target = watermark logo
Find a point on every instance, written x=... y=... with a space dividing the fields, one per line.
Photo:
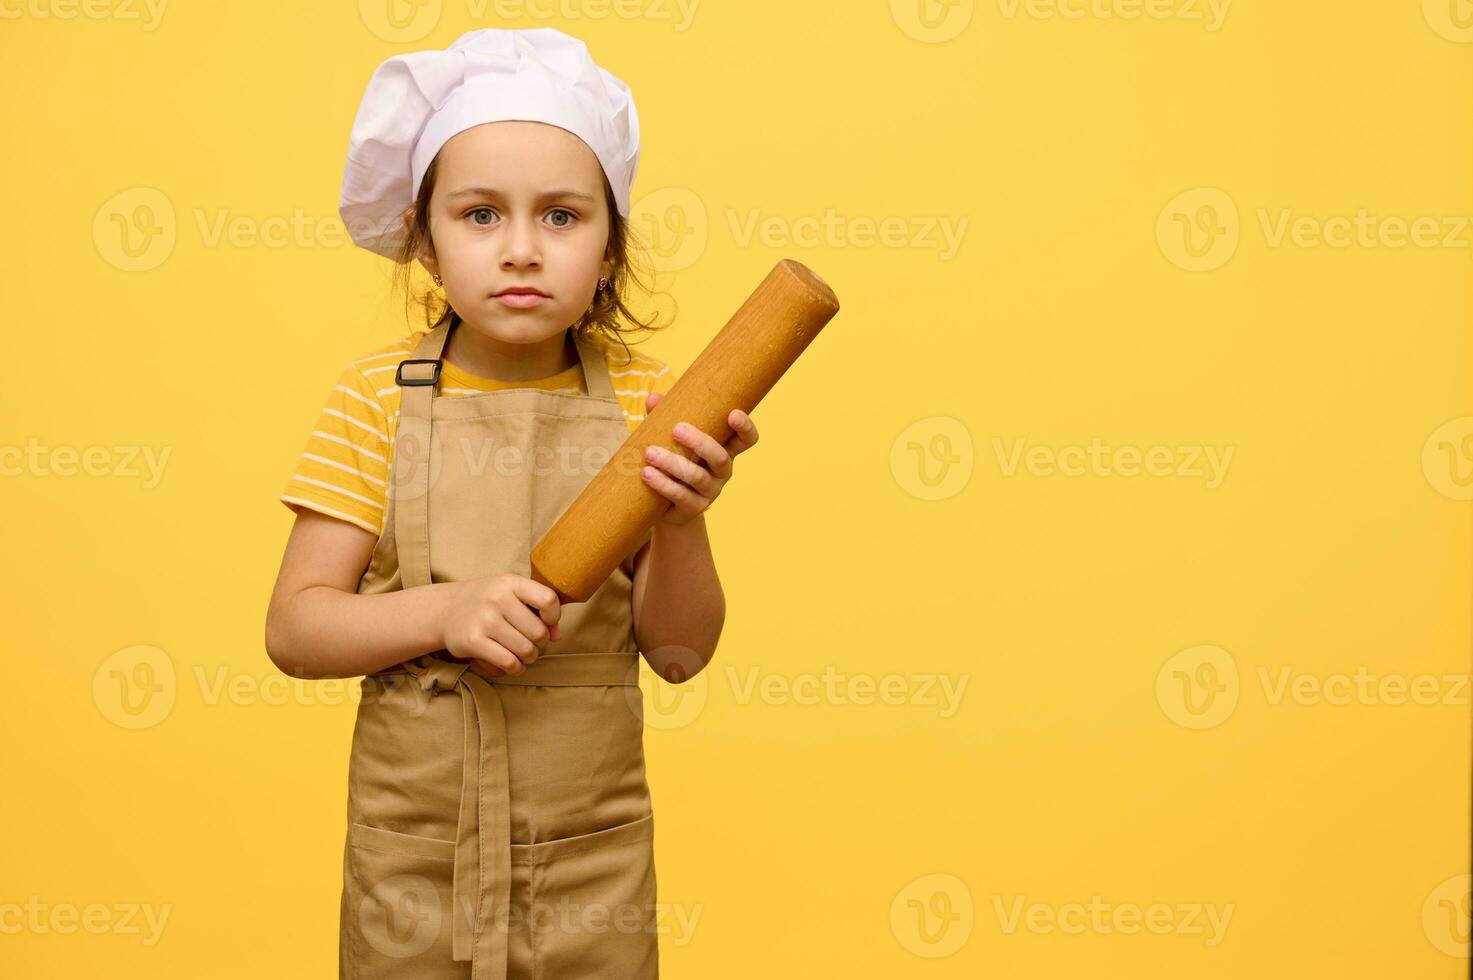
x=932 y=21
x=135 y=230
x=674 y=225
x=1198 y=230
x=221 y=226
x=566 y=917
x=679 y=13
x=672 y=702
x=402 y=915
x=139 y=686
x=1362 y=229
x=135 y=687
x=147 y=13
x=405 y=21
x=932 y=458
x=1102 y=918
x=115 y=462
x=832 y=687
x=932 y=916
x=1363 y=687
x=1447 y=915
x=412 y=453
x=1208 y=463
x=400 y=21
x=1447 y=458
x=485 y=457
x=1198 y=687
x=1450 y=19
x=1211 y=13
x=40 y=918
x=941 y=233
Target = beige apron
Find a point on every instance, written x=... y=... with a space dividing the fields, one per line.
x=499 y=828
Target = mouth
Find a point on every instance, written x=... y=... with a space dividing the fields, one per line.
x=521 y=298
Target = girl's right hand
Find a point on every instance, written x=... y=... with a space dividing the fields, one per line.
x=488 y=622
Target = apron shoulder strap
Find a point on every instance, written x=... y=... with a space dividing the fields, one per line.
x=409 y=469
x=595 y=369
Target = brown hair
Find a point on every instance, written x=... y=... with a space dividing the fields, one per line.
x=608 y=317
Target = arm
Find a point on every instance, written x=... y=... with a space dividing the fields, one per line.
x=679 y=608
x=317 y=625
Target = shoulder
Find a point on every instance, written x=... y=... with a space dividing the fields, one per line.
x=634 y=372
x=382 y=361
x=634 y=375
x=369 y=376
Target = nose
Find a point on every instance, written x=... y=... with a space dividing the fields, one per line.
x=520 y=248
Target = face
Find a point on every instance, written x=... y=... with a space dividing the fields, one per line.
x=518 y=204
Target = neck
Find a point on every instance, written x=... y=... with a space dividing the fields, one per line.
x=486 y=357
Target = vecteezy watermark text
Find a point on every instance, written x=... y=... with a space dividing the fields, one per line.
x=1099 y=459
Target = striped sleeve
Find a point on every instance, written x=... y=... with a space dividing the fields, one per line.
x=646 y=375
x=663 y=381
x=343 y=470
x=635 y=379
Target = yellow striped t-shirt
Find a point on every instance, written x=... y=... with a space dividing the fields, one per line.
x=343 y=471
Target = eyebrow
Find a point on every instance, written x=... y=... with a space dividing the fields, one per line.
x=563 y=194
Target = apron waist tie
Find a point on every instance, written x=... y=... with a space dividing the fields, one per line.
x=482 y=879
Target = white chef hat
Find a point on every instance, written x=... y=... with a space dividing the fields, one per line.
x=416 y=102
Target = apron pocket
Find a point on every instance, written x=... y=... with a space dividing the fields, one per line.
x=592 y=908
x=640 y=829
x=397 y=905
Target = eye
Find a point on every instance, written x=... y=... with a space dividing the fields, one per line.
x=472 y=213
x=571 y=217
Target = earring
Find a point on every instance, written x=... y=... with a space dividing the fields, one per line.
x=602 y=282
x=436 y=276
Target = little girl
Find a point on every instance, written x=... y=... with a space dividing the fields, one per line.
x=499 y=819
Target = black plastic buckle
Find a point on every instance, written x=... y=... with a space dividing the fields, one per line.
x=404 y=382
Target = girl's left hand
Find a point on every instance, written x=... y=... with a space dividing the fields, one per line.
x=693 y=485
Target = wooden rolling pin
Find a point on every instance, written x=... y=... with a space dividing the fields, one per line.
x=611 y=516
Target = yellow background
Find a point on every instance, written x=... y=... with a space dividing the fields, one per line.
x=806 y=836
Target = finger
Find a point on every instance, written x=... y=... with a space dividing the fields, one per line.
x=487 y=670
x=686 y=470
x=539 y=597
x=744 y=432
x=513 y=640
x=651 y=400
x=524 y=620
x=677 y=493
x=717 y=458
x=488 y=651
